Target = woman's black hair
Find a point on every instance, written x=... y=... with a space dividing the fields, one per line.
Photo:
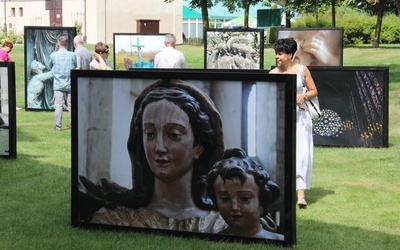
x=287 y=45
x=236 y=164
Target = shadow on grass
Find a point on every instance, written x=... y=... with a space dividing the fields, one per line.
x=315 y=194
x=369 y=46
x=36 y=202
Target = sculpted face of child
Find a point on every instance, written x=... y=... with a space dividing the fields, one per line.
x=239 y=205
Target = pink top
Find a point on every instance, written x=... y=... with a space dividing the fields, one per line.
x=4 y=56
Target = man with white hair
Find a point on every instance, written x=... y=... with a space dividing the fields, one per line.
x=170 y=57
x=83 y=55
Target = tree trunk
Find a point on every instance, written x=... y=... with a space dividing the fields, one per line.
x=380 y=8
x=204 y=13
x=246 y=16
x=288 y=14
x=333 y=8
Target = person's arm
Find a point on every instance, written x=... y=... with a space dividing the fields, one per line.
x=102 y=64
x=310 y=84
x=51 y=61
x=183 y=62
x=78 y=61
x=156 y=61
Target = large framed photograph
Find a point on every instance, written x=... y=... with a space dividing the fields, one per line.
x=354 y=104
x=8 y=126
x=136 y=50
x=163 y=150
x=234 y=49
x=39 y=43
x=316 y=46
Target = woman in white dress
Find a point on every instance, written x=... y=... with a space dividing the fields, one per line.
x=285 y=53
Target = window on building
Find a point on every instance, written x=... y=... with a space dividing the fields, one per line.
x=12 y=11
x=21 y=11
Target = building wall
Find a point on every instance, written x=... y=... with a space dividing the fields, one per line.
x=103 y=17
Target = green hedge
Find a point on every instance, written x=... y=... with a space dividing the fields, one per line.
x=358 y=28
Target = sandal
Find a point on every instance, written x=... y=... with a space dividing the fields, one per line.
x=301 y=202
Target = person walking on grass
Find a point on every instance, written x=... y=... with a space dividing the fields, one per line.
x=83 y=55
x=61 y=63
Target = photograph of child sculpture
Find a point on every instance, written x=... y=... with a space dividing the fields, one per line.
x=242 y=191
x=175 y=139
x=233 y=50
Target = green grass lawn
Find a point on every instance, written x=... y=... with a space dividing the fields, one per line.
x=354 y=202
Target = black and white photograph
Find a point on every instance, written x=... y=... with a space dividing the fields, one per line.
x=234 y=49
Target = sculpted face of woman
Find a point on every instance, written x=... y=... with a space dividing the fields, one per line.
x=169 y=141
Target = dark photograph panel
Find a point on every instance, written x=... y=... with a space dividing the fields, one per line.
x=39 y=43
x=234 y=49
x=354 y=105
x=316 y=46
x=8 y=140
x=151 y=152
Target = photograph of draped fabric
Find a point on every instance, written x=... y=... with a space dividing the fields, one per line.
x=39 y=43
x=234 y=49
x=354 y=106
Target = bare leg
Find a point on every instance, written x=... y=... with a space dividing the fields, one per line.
x=301 y=201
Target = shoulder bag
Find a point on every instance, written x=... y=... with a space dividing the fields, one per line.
x=312 y=104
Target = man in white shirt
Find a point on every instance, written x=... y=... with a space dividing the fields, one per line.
x=170 y=57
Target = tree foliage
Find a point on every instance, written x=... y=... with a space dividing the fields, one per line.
x=235 y=5
x=378 y=8
x=373 y=7
x=204 y=5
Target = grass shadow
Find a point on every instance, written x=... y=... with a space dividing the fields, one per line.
x=317 y=193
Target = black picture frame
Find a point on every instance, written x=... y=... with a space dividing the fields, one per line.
x=106 y=99
x=322 y=46
x=234 y=49
x=39 y=43
x=354 y=104
x=136 y=50
x=8 y=120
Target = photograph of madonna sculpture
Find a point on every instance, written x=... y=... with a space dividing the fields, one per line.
x=152 y=173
